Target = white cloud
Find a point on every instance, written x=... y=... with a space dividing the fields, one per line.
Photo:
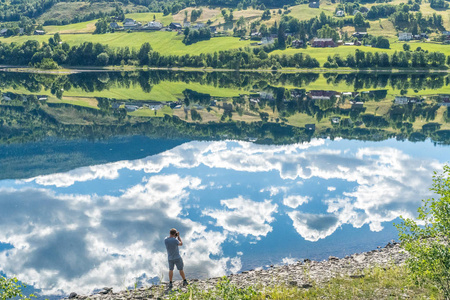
x=244 y=216
x=65 y=243
x=331 y=188
x=313 y=227
x=294 y=201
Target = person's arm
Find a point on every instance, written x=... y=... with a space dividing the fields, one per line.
x=179 y=239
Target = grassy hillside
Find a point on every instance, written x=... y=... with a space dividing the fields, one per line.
x=69 y=10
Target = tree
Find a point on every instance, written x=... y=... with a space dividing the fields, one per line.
x=143 y=54
x=358 y=20
x=10 y=288
x=282 y=36
x=102 y=59
x=427 y=243
x=406 y=47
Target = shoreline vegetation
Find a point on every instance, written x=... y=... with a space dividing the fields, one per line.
x=376 y=274
x=55 y=54
x=86 y=69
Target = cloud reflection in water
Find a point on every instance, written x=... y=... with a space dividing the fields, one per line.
x=78 y=241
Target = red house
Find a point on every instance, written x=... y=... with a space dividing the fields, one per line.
x=323 y=43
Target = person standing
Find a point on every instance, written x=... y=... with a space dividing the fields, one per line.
x=172 y=243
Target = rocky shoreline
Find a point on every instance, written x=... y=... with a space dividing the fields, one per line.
x=301 y=274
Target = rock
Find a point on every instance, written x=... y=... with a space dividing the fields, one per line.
x=333 y=258
x=307 y=275
x=357 y=276
x=293 y=283
x=73 y=295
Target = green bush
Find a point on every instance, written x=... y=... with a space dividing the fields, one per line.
x=12 y=288
x=427 y=238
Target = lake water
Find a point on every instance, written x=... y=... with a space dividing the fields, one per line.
x=86 y=202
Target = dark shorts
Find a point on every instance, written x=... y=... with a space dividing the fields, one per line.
x=178 y=262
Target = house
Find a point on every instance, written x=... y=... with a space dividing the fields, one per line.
x=310 y=127
x=186 y=24
x=39 y=32
x=359 y=35
x=131 y=108
x=322 y=95
x=420 y=36
x=116 y=105
x=445 y=103
x=323 y=43
x=355 y=11
x=403 y=100
x=153 y=25
x=297 y=44
x=130 y=24
x=400 y=100
x=296 y=93
x=213 y=29
x=198 y=26
x=340 y=13
x=266 y=96
x=3 y=32
x=154 y=106
x=115 y=26
x=255 y=35
x=405 y=36
x=357 y=43
x=446 y=36
x=335 y=120
x=267 y=41
x=175 y=26
x=6 y=98
x=314 y=4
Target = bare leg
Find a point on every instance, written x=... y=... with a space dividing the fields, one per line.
x=170 y=275
x=182 y=275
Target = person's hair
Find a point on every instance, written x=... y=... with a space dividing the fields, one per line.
x=173 y=231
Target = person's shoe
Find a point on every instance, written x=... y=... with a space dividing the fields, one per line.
x=185 y=283
x=170 y=285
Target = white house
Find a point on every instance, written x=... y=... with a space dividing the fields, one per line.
x=153 y=25
x=405 y=36
x=340 y=13
x=401 y=100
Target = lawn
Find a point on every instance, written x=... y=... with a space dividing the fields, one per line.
x=382 y=27
x=165 y=42
x=304 y=12
x=83 y=27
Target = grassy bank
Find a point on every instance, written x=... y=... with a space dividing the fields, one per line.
x=378 y=283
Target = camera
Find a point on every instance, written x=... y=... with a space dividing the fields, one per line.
x=176 y=234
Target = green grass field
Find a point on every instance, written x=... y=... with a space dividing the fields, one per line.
x=304 y=12
x=167 y=43
x=83 y=27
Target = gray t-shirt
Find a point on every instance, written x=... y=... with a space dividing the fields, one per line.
x=172 y=248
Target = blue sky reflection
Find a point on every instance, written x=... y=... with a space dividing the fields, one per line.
x=238 y=205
